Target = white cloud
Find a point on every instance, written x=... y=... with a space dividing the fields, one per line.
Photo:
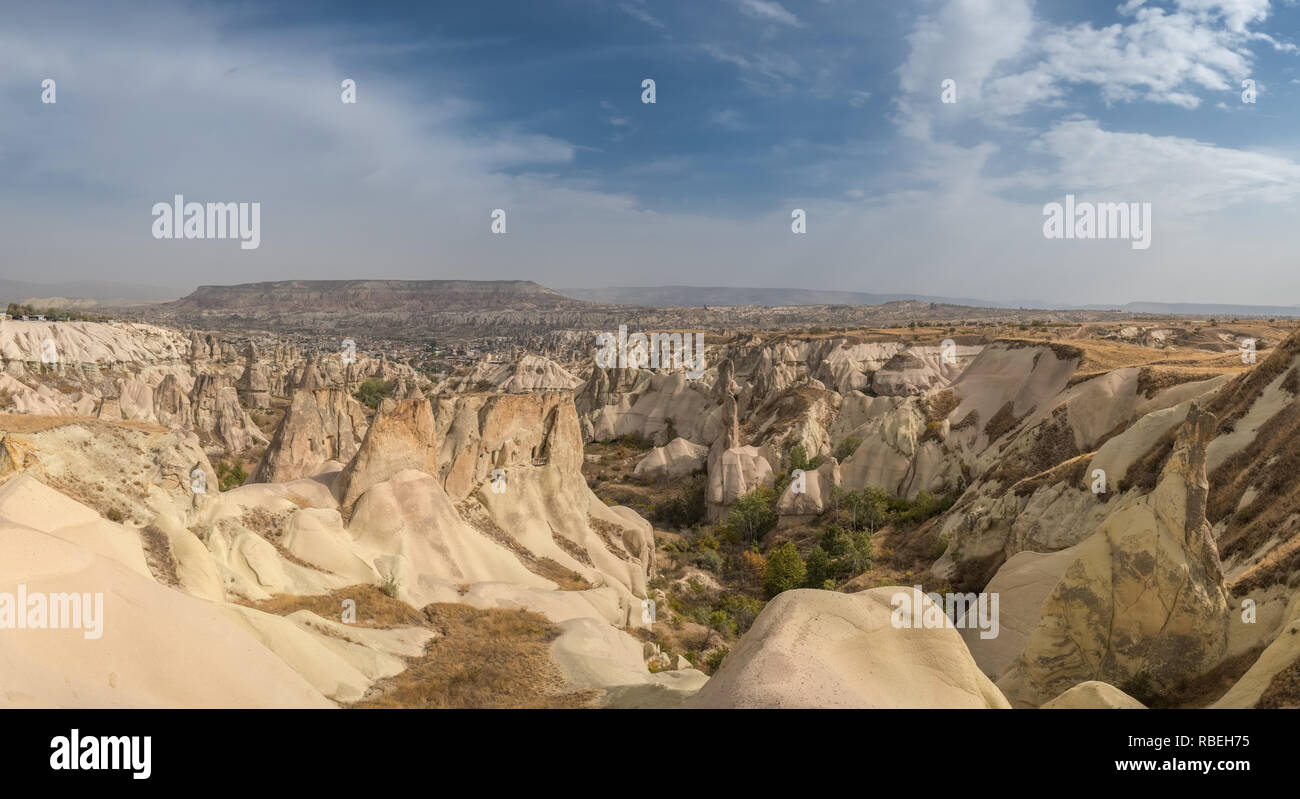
x=1006 y=62
x=768 y=11
x=637 y=9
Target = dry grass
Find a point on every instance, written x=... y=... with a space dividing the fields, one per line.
x=158 y=555
x=1284 y=690
x=483 y=659
x=374 y=607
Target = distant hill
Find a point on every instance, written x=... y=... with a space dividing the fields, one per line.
x=331 y=296
x=101 y=291
x=1202 y=309
x=667 y=296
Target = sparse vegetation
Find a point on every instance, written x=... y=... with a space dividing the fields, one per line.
x=785 y=570
x=752 y=516
x=230 y=475
x=373 y=391
x=847 y=447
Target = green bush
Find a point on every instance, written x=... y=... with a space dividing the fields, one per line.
x=849 y=551
x=684 y=509
x=230 y=475
x=714 y=660
x=707 y=559
x=847 y=447
x=753 y=515
x=373 y=391
x=785 y=570
x=818 y=565
x=721 y=621
x=799 y=459
x=741 y=607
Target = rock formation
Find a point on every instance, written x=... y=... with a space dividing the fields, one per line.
x=1142 y=606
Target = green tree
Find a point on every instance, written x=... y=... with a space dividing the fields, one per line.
x=799 y=459
x=818 y=566
x=785 y=570
x=373 y=391
x=753 y=515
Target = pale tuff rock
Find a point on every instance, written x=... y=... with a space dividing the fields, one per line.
x=596 y=656
x=677 y=458
x=26 y=502
x=99 y=344
x=139 y=471
x=816 y=496
x=1094 y=695
x=320 y=426
x=812 y=648
x=1022 y=585
x=401 y=438
x=734 y=470
x=1056 y=505
x=800 y=415
x=1143 y=601
x=203 y=660
x=525 y=374
x=135 y=401
x=171 y=403
x=1282 y=653
x=646 y=409
x=411 y=517
x=481 y=433
x=916 y=370
x=255 y=383
x=542 y=505
x=218 y=416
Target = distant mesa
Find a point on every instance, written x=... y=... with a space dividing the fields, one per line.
x=328 y=296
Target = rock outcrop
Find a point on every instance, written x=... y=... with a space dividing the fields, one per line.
x=1142 y=605
x=319 y=426
x=402 y=437
x=811 y=648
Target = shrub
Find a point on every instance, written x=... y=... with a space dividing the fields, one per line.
x=753 y=566
x=753 y=515
x=685 y=508
x=785 y=570
x=707 y=559
x=634 y=441
x=721 y=621
x=818 y=565
x=373 y=391
x=230 y=475
x=799 y=459
x=847 y=447
x=849 y=552
x=743 y=608
x=714 y=659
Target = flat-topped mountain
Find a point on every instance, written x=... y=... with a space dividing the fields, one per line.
x=377 y=295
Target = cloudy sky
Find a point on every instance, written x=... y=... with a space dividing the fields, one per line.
x=534 y=106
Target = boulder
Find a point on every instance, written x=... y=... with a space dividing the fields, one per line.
x=812 y=648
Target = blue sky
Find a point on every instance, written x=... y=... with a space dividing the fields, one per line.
x=762 y=106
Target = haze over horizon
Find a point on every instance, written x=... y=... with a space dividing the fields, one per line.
x=761 y=107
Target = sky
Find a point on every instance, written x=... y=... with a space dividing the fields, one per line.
x=535 y=107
